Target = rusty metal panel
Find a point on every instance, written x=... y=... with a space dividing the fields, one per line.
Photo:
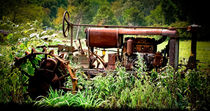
x=109 y=37
x=140 y=31
x=169 y=33
x=158 y=60
x=145 y=48
x=111 y=61
x=142 y=45
x=163 y=32
x=102 y=37
x=145 y=41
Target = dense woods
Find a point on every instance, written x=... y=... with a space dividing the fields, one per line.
x=176 y=13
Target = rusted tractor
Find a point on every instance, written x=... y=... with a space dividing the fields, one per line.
x=125 y=50
x=51 y=72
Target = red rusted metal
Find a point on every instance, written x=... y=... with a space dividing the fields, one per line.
x=163 y=32
x=145 y=45
x=142 y=45
x=109 y=37
x=158 y=60
x=145 y=48
x=111 y=61
x=103 y=38
x=48 y=73
x=130 y=47
x=114 y=31
x=49 y=64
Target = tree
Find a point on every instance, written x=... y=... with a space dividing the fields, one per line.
x=132 y=12
x=170 y=11
x=105 y=16
x=117 y=9
x=156 y=16
x=148 y=5
x=20 y=11
x=133 y=16
x=59 y=18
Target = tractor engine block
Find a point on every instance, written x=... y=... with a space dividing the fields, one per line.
x=145 y=48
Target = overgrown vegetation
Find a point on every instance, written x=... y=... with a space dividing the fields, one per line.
x=25 y=21
x=120 y=89
x=22 y=37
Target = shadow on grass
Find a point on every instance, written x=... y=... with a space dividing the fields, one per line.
x=31 y=107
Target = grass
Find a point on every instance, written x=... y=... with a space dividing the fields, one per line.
x=58 y=98
x=165 y=90
x=203 y=52
x=122 y=89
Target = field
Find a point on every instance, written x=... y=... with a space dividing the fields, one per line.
x=116 y=90
x=203 y=52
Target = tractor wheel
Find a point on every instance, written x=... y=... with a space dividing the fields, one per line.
x=50 y=73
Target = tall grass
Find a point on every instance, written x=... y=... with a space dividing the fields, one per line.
x=80 y=99
x=121 y=89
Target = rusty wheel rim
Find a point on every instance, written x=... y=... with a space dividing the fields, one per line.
x=66 y=23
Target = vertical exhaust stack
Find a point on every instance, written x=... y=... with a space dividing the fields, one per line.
x=129 y=47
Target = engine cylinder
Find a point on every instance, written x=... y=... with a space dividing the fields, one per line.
x=129 y=47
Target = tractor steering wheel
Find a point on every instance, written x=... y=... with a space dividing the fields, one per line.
x=66 y=23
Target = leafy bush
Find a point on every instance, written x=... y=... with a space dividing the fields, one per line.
x=21 y=38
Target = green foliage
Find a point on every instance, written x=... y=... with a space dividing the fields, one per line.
x=133 y=16
x=198 y=89
x=105 y=16
x=84 y=99
x=21 y=38
x=120 y=89
x=182 y=33
x=21 y=11
x=156 y=17
x=170 y=11
x=11 y=86
x=24 y=34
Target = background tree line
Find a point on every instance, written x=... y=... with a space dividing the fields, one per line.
x=177 y=13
